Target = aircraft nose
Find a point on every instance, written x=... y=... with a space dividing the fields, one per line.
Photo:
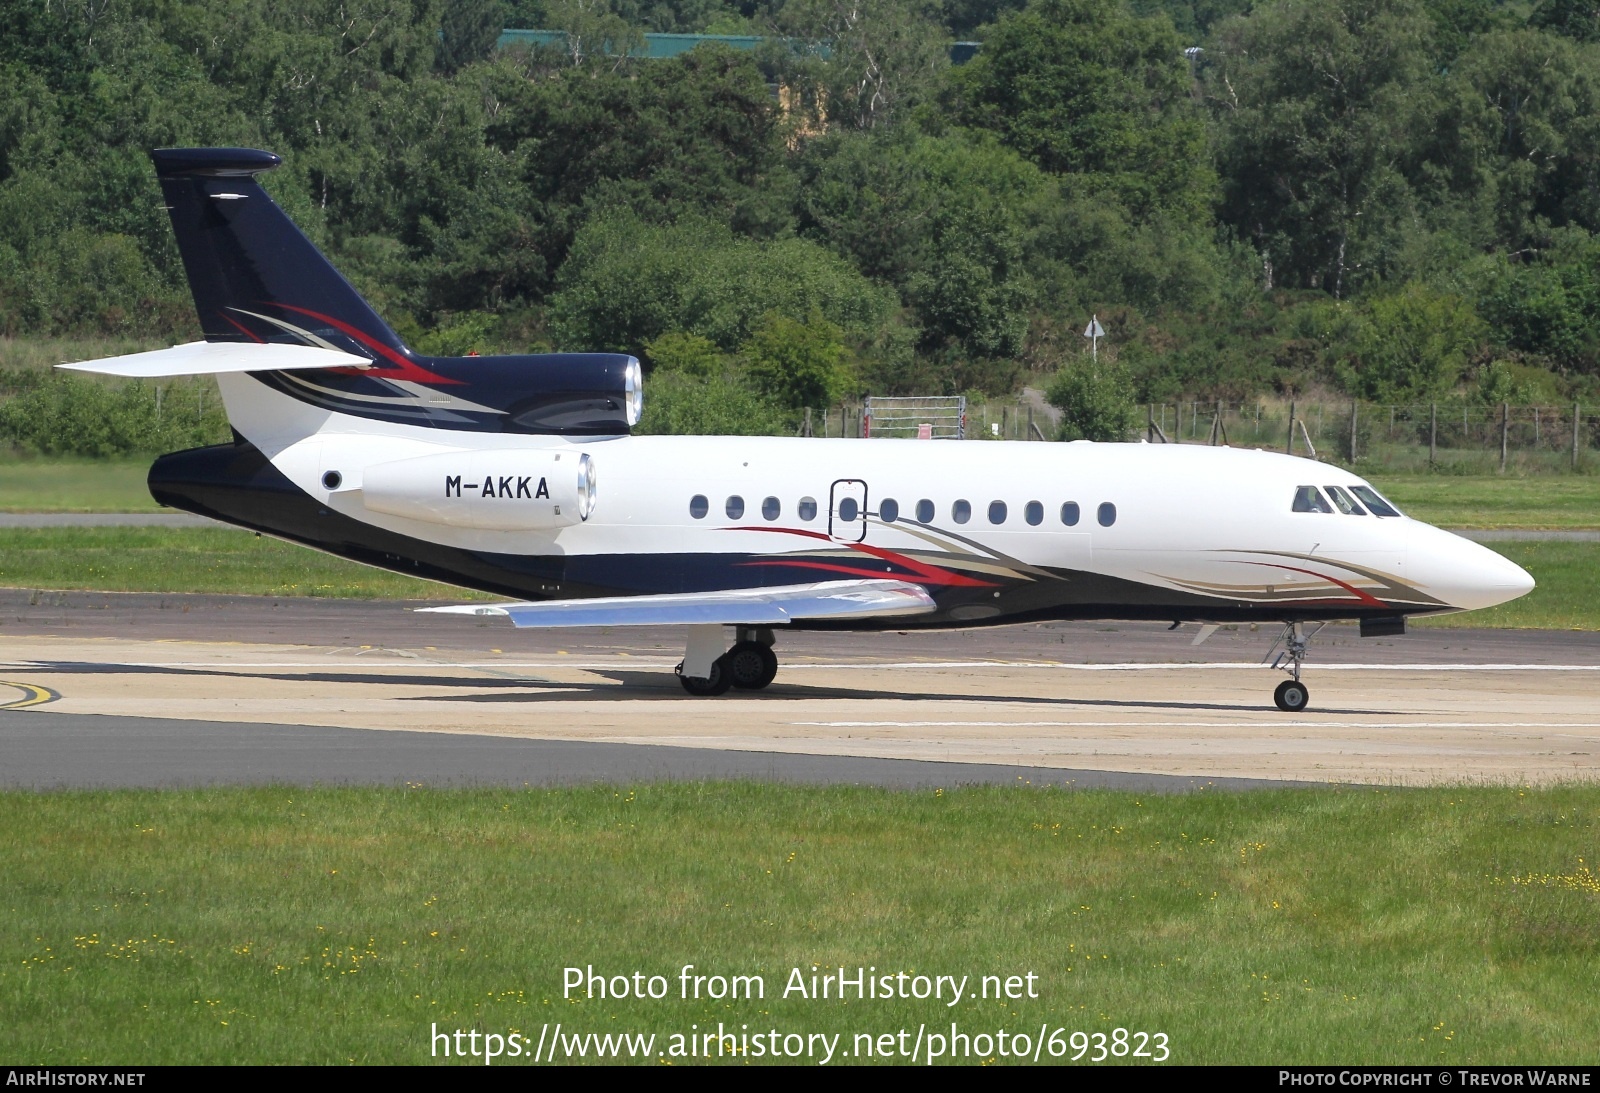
x=1463 y=573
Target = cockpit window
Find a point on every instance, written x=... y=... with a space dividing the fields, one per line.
x=1345 y=503
x=1375 y=503
x=1310 y=499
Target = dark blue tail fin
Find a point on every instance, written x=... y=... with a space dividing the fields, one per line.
x=254 y=275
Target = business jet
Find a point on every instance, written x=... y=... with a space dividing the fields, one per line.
x=517 y=475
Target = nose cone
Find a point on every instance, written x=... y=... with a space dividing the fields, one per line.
x=1462 y=573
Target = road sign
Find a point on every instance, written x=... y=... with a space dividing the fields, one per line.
x=1094 y=332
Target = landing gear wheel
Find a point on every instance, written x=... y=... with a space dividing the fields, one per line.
x=716 y=684
x=1291 y=696
x=751 y=665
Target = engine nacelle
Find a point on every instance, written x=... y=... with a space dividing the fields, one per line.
x=515 y=489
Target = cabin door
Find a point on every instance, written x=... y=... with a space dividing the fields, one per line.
x=847 y=510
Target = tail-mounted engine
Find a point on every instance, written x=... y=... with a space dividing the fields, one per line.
x=515 y=489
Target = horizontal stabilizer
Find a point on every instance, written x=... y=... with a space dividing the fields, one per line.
x=734 y=607
x=209 y=358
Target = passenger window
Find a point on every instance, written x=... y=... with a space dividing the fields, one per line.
x=1310 y=499
x=807 y=509
x=1033 y=513
x=997 y=512
x=1345 y=503
x=888 y=510
x=1376 y=504
x=925 y=511
x=699 y=506
x=961 y=512
x=1069 y=514
x=1107 y=514
x=847 y=510
x=735 y=507
x=771 y=508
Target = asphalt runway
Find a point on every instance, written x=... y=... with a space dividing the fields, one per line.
x=175 y=690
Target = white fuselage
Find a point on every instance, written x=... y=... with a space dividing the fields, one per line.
x=1197 y=524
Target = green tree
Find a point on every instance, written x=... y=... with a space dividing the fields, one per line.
x=1084 y=88
x=687 y=353
x=1095 y=399
x=468 y=32
x=628 y=282
x=597 y=36
x=1513 y=142
x=947 y=219
x=1315 y=114
x=883 y=57
x=697 y=135
x=1549 y=306
x=797 y=364
x=1414 y=343
x=1575 y=19
x=715 y=405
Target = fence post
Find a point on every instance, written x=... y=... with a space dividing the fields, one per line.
x=1505 y=432
x=1353 y=405
x=1574 y=436
x=807 y=426
x=1149 y=423
x=1288 y=448
x=1433 y=433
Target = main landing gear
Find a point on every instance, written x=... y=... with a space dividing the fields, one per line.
x=706 y=670
x=1292 y=696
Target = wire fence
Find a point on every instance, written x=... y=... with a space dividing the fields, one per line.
x=1453 y=437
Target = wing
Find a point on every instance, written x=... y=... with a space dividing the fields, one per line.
x=735 y=607
x=210 y=358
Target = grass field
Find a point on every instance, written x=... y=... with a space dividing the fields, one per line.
x=43 y=485
x=220 y=560
x=1495 y=501
x=286 y=925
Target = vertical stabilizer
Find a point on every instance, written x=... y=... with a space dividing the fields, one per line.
x=254 y=275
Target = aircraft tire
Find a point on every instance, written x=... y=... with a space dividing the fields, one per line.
x=716 y=684
x=751 y=665
x=1291 y=696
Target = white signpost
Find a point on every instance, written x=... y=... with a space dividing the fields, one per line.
x=1094 y=332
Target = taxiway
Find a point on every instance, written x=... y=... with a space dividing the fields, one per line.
x=107 y=689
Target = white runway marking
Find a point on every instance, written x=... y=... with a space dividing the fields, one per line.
x=657 y=662
x=1146 y=666
x=1195 y=724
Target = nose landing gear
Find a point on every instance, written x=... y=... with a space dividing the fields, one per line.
x=1292 y=696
